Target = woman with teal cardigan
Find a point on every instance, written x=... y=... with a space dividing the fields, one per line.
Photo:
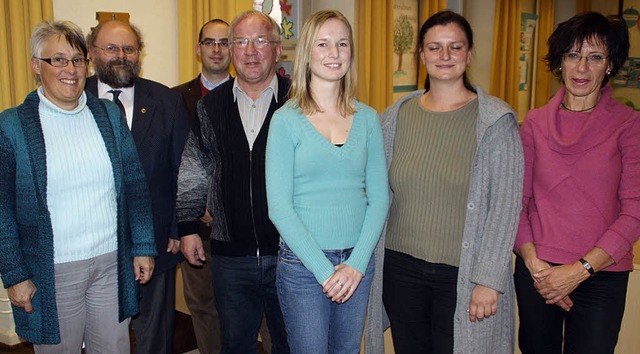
x=73 y=197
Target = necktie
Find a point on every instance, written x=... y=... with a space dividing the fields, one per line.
x=117 y=101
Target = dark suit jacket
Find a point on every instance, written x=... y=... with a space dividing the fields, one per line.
x=159 y=131
x=191 y=93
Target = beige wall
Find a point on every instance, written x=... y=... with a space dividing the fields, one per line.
x=156 y=19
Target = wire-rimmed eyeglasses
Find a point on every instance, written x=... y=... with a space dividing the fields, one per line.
x=592 y=58
x=259 y=42
x=210 y=43
x=114 y=50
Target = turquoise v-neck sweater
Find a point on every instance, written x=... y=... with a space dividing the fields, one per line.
x=325 y=197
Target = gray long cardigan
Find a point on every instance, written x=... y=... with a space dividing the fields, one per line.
x=493 y=208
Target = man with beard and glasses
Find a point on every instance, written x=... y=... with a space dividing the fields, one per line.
x=158 y=122
x=213 y=50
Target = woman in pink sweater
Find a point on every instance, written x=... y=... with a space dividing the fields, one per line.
x=581 y=202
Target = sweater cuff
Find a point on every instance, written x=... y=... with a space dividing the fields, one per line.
x=16 y=276
x=491 y=276
x=614 y=245
x=188 y=228
x=144 y=250
x=523 y=235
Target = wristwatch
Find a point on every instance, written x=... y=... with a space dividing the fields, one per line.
x=587 y=266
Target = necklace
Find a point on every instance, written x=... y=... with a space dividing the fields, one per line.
x=578 y=110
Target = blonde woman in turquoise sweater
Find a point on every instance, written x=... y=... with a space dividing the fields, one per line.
x=327 y=192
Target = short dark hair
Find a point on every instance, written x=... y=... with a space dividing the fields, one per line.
x=93 y=34
x=593 y=27
x=215 y=20
x=443 y=18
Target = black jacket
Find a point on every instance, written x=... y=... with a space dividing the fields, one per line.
x=236 y=194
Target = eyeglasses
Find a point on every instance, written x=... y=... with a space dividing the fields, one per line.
x=113 y=50
x=63 y=62
x=259 y=42
x=592 y=59
x=210 y=43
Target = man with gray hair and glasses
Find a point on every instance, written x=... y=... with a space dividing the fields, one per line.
x=222 y=171
x=158 y=122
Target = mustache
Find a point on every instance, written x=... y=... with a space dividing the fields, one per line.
x=118 y=72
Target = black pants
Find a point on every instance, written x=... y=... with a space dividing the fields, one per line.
x=591 y=326
x=420 y=299
x=154 y=325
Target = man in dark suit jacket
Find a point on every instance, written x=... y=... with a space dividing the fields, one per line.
x=158 y=123
x=213 y=50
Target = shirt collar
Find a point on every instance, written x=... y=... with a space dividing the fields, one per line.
x=210 y=86
x=126 y=93
x=273 y=85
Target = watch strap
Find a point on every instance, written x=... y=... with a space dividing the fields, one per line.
x=587 y=266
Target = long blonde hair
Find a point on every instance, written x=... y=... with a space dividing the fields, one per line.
x=300 y=91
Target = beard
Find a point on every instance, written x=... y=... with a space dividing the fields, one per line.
x=118 y=72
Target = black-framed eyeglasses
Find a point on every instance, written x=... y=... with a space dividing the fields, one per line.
x=259 y=42
x=592 y=59
x=60 y=62
x=113 y=50
x=210 y=43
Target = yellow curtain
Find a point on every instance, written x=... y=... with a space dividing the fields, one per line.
x=582 y=6
x=504 y=61
x=427 y=8
x=18 y=18
x=374 y=53
x=192 y=14
x=542 y=76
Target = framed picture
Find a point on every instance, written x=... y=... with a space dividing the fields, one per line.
x=629 y=74
x=285 y=68
x=405 y=37
x=285 y=12
x=289 y=14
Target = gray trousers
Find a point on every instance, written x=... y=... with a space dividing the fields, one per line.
x=87 y=301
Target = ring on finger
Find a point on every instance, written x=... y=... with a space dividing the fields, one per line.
x=340 y=283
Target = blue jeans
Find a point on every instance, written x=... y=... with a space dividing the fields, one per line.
x=245 y=289
x=314 y=323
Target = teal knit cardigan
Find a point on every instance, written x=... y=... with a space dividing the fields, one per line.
x=26 y=234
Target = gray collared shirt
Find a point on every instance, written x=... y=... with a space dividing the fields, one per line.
x=253 y=113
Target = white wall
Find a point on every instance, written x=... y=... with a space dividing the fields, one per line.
x=156 y=19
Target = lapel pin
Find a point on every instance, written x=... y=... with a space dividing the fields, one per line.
x=143 y=110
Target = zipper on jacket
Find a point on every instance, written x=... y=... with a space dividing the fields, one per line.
x=253 y=219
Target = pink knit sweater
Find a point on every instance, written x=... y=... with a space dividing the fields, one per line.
x=582 y=181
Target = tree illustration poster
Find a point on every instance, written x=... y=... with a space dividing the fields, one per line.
x=405 y=33
x=287 y=12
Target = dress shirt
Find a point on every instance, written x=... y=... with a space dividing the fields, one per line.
x=210 y=86
x=253 y=113
x=126 y=97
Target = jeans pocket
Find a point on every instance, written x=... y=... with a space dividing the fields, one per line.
x=285 y=255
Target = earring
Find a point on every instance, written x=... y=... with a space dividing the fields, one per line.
x=608 y=72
